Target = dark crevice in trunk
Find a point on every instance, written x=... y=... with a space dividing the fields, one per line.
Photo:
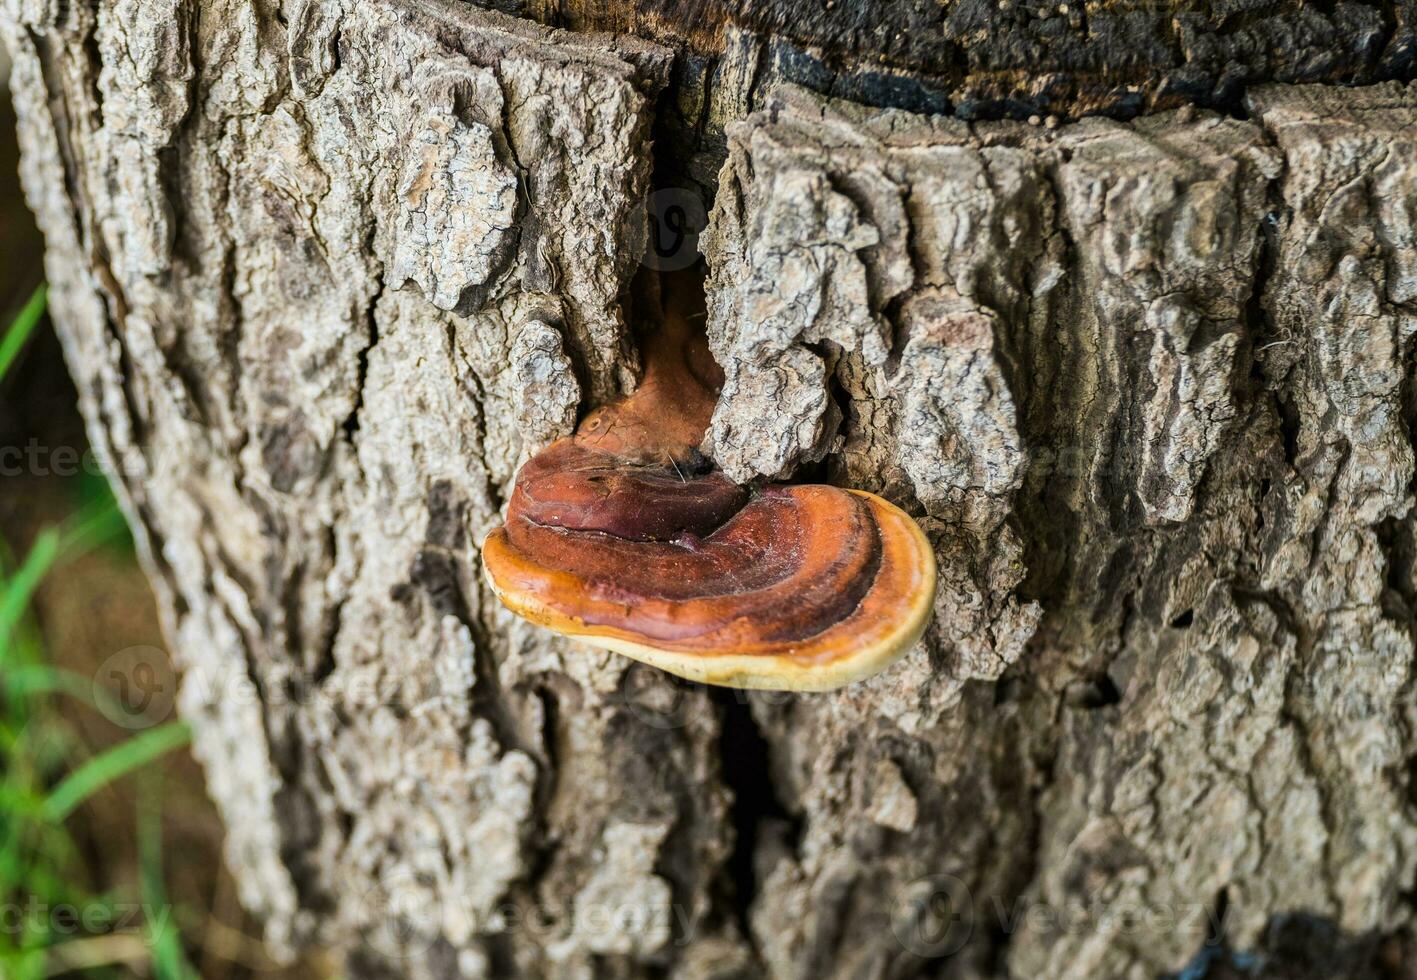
x=1091 y=693
x=324 y=663
x=746 y=757
x=1288 y=416
x=350 y=426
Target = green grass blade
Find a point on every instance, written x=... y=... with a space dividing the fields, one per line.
x=169 y=959
x=16 y=593
x=111 y=765
x=91 y=526
x=22 y=326
x=32 y=679
x=23 y=964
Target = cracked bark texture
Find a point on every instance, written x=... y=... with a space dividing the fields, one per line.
x=1014 y=57
x=326 y=272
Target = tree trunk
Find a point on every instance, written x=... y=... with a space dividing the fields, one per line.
x=326 y=272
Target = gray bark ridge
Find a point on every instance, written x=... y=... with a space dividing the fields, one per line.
x=325 y=273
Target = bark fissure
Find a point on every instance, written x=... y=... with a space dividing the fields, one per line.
x=747 y=774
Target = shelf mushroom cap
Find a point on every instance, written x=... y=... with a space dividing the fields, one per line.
x=626 y=537
x=806 y=588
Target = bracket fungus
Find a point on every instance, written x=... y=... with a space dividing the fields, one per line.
x=625 y=536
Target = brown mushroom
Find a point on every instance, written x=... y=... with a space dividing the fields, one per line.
x=626 y=537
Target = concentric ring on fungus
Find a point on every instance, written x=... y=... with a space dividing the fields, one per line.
x=626 y=537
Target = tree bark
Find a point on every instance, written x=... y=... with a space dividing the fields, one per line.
x=326 y=272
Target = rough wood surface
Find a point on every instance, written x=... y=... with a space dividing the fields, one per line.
x=326 y=272
x=990 y=58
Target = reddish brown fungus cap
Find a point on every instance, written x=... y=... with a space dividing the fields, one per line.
x=627 y=538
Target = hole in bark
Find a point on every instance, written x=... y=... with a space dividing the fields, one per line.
x=1184 y=620
x=747 y=773
x=350 y=426
x=1396 y=545
x=1288 y=428
x=1006 y=689
x=550 y=739
x=1411 y=767
x=324 y=664
x=436 y=574
x=1260 y=504
x=1215 y=933
x=447 y=516
x=1093 y=692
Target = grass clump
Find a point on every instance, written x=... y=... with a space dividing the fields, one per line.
x=52 y=921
